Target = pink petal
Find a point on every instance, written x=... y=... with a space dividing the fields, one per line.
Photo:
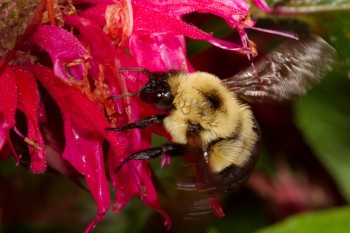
x=92 y=225
x=96 y=14
x=103 y=65
x=284 y=34
x=99 y=44
x=67 y=53
x=55 y=161
x=83 y=112
x=215 y=205
x=28 y=103
x=222 y=8
x=150 y=197
x=78 y=109
x=169 y=49
x=263 y=5
x=135 y=179
x=165 y=160
x=149 y=21
x=84 y=151
x=85 y=125
x=8 y=103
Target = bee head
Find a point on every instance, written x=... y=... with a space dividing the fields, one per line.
x=157 y=90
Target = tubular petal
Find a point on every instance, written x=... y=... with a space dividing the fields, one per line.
x=8 y=103
x=84 y=151
x=64 y=49
x=28 y=103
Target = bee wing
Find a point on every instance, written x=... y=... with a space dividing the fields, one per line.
x=202 y=186
x=197 y=156
x=285 y=73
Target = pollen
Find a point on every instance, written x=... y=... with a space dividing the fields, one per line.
x=185 y=110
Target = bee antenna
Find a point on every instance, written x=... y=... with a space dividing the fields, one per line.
x=125 y=95
x=137 y=69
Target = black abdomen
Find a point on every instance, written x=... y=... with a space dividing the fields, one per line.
x=239 y=164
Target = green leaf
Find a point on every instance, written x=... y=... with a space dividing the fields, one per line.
x=328 y=221
x=324 y=116
x=337 y=27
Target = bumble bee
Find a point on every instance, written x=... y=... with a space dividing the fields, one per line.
x=210 y=117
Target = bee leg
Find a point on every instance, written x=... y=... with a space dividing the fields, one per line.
x=141 y=123
x=173 y=149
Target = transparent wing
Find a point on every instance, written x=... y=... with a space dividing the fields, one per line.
x=285 y=73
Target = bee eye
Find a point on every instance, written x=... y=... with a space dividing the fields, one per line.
x=161 y=99
x=154 y=97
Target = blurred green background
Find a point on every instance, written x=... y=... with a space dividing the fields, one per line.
x=302 y=180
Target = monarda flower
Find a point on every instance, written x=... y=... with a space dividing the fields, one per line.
x=87 y=49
